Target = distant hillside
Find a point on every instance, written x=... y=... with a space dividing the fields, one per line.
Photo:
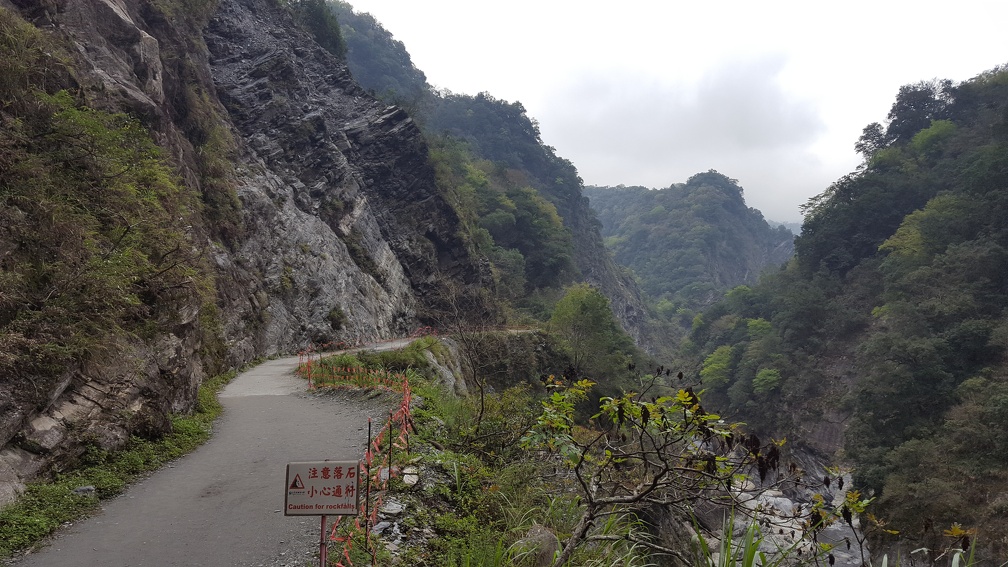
x=794 y=227
x=691 y=242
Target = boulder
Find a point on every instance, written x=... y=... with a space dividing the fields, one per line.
x=537 y=548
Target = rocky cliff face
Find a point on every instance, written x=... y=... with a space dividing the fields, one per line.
x=599 y=269
x=342 y=213
x=335 y=232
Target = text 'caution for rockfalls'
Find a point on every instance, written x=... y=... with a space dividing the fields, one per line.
x=322 y=488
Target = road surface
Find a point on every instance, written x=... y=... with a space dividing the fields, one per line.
x=223 y=503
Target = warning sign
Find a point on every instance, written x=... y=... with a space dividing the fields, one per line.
x=322 y=488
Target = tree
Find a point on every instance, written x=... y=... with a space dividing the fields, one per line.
x=872 y=139
x=465 y=315
x=319 y=18
x=766 y=380
x=585 y=323
x=915 y=107
x=543 y=240
x=668 y=453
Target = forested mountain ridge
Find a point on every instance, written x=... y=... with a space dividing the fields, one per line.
x=884 y=340
x=502 y=133
x=690 y=242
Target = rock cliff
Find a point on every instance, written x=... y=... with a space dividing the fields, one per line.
x=321 y=218
x=341 y=208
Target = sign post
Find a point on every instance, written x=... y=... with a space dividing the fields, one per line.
x=322 y=488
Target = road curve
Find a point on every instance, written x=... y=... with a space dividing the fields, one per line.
x=222 y=504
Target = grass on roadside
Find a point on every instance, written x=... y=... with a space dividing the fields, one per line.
x=46 y=505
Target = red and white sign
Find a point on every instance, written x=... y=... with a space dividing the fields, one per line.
x=322 y=488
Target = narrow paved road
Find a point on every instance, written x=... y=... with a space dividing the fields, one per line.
x=222 y=504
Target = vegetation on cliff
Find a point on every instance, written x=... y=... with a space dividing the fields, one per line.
x=508 y=221
x=94 y=225
x=378 y=61
x=320 y=20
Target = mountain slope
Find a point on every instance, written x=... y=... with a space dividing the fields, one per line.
x=884 y=341
x=503 y=133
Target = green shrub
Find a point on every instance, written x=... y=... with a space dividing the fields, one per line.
x=766 y=380
x=346 y=360
x=336 y=318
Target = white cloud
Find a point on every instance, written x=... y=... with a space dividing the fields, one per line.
x=774 y=94
x=736 y=119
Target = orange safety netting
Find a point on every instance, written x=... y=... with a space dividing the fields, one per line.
x=378 y=456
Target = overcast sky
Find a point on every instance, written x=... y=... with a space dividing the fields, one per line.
x=635 y=92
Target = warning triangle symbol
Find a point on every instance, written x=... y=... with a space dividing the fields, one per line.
x=297 y=484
